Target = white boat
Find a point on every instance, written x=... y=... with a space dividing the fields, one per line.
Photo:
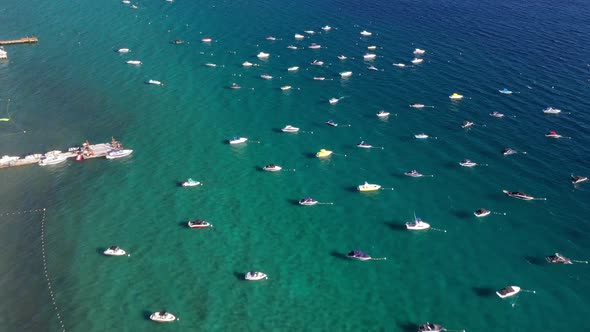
x=126 y=2
x=298 y=36
x=578 y=179
x=505 y=91
x=3 y=54
x=369 y=56
x=272 y=168
x=331 y=123
x=368 y=187
x=400 y=65
x=292 y=47
x=417 y=224
x=237 y=140
x=317 y=63
x=421 y=136
x=255 y=275
x=365 y=33
x=414 y=173
x=114 y=251
x=210 y=65
x=383 y=114
x=467 y=163
x=118 y=153
x=430 y=327
x=262 y=55
x=247 y=64
x=508 y=291
x=309 y=32
x=191 y=183
x=9 y=159
x=286 y=87
x=266 y=76
x=364 y=145
x=553 y=134
x=154 y=82
x=52 y=158
x=206 y=40
x=551 y=110
x=134 y=6
x=295 y=68
x=307 y=201
x=480 y=213
x=342 y=57
x=456 y=96
x=518 y=195
x=162 y=317
x=123 y=50
x=346 y=74
x=271 y=38
x=199 y=223
x=326 y=28
x=314 y=46
x=372 y=68
x=496 y=114
x=417 y=61
x=419 y=51
x=134 y=62
x=417 y=105
x=318 y=78
x=466 y=124
x=558 y=258
x=372 y=47
x=508 y=151
x=290 y=129
x=334 y=100
x=235 y=86
x=358 y=255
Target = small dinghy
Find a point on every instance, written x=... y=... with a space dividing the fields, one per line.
x=331 y=123
x=191 y=183
x=518 y=194
x=430 y=327
x=496 y=114
x=508 y=291
x=366 y=33
x=307 y=201
x=456 y=96
x=383 y=114
x=505 y=91
x=200 y=223
x=154 y=82
x=417 y=224
x=162 y=317
x=295 y=68
x=364 y=145
x=417 y=61
x=369 y=56
x=482 y=213
x=262 y=55
x=114 y=251
x=290 y=129
x=414 y=173
x=419 y=51
x=323 y=153
x=553 y=134
x=421 y=136
x=272 y=168
x=358 y=255
x=468 y=163
x=417 y=105
x=266 y=77
x=578 y=179
x=237 y=140
x=466 y=124
x=368 y=187
x=255 y=275
x=558 y=258
x=399 y=65
x=509 y=151
x=342 y=57
x=551 y=110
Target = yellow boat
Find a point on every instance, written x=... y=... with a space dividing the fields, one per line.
x=368 y=187
x=456 y=96
x=323 y=153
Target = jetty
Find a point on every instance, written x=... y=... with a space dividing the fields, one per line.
x=80 y=153
x=24 y=40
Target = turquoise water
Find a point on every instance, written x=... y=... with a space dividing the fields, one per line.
x=73 y=86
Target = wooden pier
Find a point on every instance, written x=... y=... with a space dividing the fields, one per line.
x=25 y=40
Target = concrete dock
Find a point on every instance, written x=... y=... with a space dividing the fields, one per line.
x=25 y=40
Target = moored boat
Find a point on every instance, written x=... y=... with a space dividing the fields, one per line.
x=482 y=213
x=290 y=129
x=307 y=201
x=237 y=140
x=323 y=153
x=508 y=291
x=114 y=251
x=199 y=223
x=358 y=255
x=417 y=224
x=383 y=114
x=551 y=110
x=162 y=317
x=255 y=275
x=456 y=96
x=518 y=195
x=368 y=187
x=262 y=55
x=118 y=153
x=191 y=183
x=467 y=163
x=558 y=258
x=575 y=179
x=345 y=74
x=52 y=158
x=272 y=168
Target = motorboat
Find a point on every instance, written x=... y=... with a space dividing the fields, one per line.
x=326 y=28
x=366 y=33
x=417 y=105
x=372 y=47
x=466 y=124
x=314 y=46
x=272 y=168
x=509 y=151
x=505 y=91
x=286 y=87
x=553 y=134
x=293 y=68
x=467 y=163
x=262 y=55
x=118 y=153
x=383 y=114
x=255 y=275
x=364 y=145
x=247 y=64
x=358 y=255
x=191 y=183
x=334 y=100
x=319 y=78
x=235 y=86
x=346 y=74
x=266 y=77
x=162 y=317
x=206 y=40
x=342 y=57
x=456 y=96
x=199 y=223
x=400 y=65
x=518 y=194
x=298 y=36
x=414 y=173
x=369 y=56
x=52 y=158
x=290 y=129
x=114 y=251
x=3 y=54
x=417 y=224
x=558 y=258
x=508 y=291
x=421 y=136
x=368 y=187
x=482 y=213
x=123 y=50
x=430 y=327
x=309 y=32
x=551 y=110
x=331 y=123
x=9 y=159
x=578 y=179
x=178 y=42
x=237 y=140
x=154 y=82
x=271 y=38
x=317 y=63
x=126 y=2
x=292 y=47
x=210 y=65
x=134 y=62
x=308 y=201
x=419 y=51
x=496 y=114
x=373 y=68
x=417 y=61
x=323 y=153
